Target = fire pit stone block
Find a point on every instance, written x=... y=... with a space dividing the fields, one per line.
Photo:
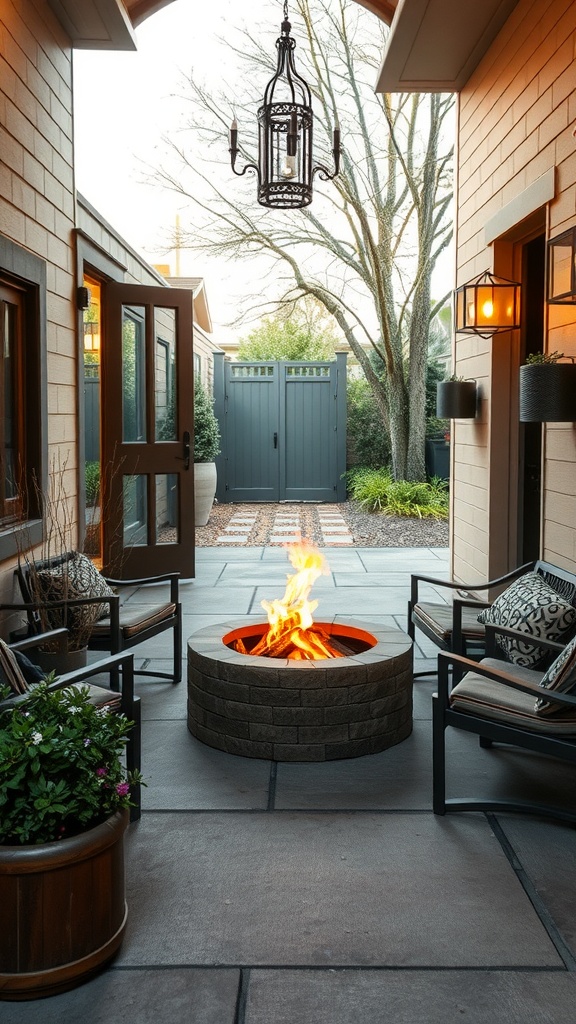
x=283 y=710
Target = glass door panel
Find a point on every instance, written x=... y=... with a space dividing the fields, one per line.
x=165 y=374
x=135 y=530
x=167 y=504
x=133 y=374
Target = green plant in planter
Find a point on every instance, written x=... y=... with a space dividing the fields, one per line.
x=539 y=358
x=206 y=429
x=60 y=765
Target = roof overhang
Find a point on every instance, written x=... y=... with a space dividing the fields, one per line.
x=96 y=24
x=435 y=45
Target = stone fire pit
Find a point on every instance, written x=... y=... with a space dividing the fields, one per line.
x=284 y=710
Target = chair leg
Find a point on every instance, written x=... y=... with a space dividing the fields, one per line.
x=485 y=742
x=438 y=758
x=134 y=757
x=178 y=646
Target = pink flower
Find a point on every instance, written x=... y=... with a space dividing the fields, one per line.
x=101 y=771
x=123 y=788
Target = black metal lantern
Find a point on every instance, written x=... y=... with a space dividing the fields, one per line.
x=562 y=268
x=487 y=305
x=285 y=122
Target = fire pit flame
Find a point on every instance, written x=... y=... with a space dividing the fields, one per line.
x=291 y=632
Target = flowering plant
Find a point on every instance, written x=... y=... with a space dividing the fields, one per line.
x=60 y=765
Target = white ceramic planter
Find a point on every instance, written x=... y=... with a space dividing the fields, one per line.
x=204 y=491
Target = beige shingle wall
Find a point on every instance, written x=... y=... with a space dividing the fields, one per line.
x=516 y=121
x=36 y=189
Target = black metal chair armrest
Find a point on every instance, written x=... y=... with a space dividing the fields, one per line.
x=502 y=675
x=416 y=578
x=173 y=578
x=493 y=630
x=57 y=636
x=123 y=661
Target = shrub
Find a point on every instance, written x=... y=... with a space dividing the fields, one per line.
x=206 y=429
x=376 y=491
x=367 y=443
x=92 y=476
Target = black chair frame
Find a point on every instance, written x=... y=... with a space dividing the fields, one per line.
x=456 y=640
x=115 y=639
x=453 y=666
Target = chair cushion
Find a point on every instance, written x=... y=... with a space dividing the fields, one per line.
x=531 y=606
x=134 y=618
x=11 y=674
x=490 y=699
x=75 y=577
x=560 y=676
x=439 y=619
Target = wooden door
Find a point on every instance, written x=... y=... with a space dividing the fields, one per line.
x=147 y=431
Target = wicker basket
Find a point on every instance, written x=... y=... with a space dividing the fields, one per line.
x=456 y=399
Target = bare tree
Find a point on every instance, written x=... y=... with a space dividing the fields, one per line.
x=367 y=246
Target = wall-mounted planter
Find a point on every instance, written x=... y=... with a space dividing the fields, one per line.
x=548 y=393
x=456 y=399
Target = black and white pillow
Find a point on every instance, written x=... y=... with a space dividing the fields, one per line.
x=76 y=577
x=531 y=606
x=561 y=676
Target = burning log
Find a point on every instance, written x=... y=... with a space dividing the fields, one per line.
x=292 y=634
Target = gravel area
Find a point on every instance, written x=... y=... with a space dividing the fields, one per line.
x=369 y=530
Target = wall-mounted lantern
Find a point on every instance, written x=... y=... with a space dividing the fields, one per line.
x=562 y=268
x=486 y=305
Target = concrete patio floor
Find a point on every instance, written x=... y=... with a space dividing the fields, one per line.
x=329 y=893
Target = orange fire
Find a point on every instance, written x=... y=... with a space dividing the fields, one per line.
x=292 y=633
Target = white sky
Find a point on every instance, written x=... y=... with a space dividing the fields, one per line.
x=123 y=107
x=124 y=104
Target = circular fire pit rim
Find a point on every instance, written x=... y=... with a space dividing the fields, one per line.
x=209 y=641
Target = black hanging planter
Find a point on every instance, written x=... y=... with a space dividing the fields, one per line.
x=456 y=399
x=548 y=393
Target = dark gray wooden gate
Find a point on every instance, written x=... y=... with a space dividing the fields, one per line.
x=283 y=428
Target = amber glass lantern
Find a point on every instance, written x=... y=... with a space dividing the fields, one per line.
x=486 y=305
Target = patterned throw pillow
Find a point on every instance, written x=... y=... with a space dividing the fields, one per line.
x=560 y=676
x=531 y=606
x=76 y=577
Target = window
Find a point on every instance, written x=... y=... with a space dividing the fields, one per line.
x=23 y=455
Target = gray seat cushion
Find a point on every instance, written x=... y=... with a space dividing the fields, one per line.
x=494 y=700
x=439 y=618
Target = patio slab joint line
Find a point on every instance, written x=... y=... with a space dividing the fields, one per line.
x=540 y=909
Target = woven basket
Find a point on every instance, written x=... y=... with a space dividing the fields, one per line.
x=548 y=393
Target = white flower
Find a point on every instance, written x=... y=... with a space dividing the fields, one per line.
x=37 y=738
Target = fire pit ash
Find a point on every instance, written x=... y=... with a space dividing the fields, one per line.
x=296 y=690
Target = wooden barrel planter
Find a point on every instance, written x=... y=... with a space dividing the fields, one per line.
x=63 y=910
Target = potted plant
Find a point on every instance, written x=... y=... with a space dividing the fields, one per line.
x=547 y=389
x=206 y=448
x=64 y=798
x=456 y=398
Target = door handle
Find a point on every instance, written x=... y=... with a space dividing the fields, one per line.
x=186 y=449
x=275 y=440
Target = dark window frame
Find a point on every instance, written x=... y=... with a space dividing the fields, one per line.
x=26 y=273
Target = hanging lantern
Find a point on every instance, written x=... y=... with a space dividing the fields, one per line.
x=562 y=268
x=486 y=305
x=285 y=123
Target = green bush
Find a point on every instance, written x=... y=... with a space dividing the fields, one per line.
x=92 y=478
x=367 y=443
x=376 y=491
x=206 y=428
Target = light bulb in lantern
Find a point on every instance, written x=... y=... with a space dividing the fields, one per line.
x=488 y=309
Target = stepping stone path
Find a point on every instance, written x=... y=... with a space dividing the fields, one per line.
x=258 y=524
